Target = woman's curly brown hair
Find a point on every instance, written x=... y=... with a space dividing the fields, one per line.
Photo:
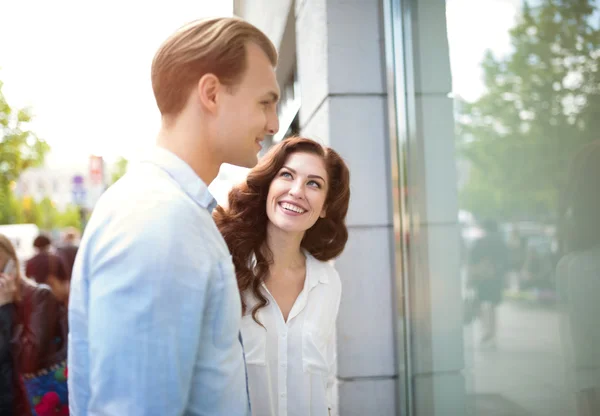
x=244 y=223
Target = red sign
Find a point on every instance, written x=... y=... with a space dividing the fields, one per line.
x=96 y=170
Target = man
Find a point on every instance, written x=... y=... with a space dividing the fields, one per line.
x=68 y=249
x=155 y=311
x=48 y=268
x=488 y=264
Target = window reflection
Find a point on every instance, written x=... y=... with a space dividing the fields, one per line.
x=578 y=278
x=526 y=86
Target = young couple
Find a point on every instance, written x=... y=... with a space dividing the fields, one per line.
x=176 y=309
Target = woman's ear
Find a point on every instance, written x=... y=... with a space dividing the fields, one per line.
x=323 y=213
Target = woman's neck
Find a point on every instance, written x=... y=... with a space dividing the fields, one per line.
x=285 y=248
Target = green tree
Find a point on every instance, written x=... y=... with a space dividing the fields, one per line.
x=20 y=149
x=541 y=104
x=45 y=214
x=48 y=214
x=30 y=210
x=16 y=209
x=119 y=169
x=70 y=217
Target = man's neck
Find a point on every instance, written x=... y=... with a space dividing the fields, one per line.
x=188 y=148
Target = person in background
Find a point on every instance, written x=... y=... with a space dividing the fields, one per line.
x=13 y=397
x=67 y=251
x=38 y=338
x=488 y=265
x=283 y=225
x=578 y=278
x=48 y=268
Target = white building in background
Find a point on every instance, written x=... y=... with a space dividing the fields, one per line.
x=228 y=177
x=74 y=184
x=54 y=183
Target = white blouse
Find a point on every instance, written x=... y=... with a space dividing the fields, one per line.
x=292 y=365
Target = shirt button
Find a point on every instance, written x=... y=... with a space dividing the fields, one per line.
x=283 y=365
x=283 y=395
x=284 y=335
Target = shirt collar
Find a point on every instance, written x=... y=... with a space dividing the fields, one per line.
x=315 y=271
x=183 y=174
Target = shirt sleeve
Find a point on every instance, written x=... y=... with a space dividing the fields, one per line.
x=148 y=290
x=40 y=332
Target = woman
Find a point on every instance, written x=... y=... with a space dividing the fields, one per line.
x=13 y=398
x=282 y=226
x=39 y=349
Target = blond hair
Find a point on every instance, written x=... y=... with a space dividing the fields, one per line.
x=209 y=46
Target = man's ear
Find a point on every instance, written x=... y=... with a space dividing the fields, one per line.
x=208 y=91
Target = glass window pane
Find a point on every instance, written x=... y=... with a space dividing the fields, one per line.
x=526 y=85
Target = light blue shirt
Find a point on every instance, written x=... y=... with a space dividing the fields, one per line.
x=155 y=311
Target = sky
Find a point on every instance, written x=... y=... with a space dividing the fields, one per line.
x=84 y=67
x=473 y=27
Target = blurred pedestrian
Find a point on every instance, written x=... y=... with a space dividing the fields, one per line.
x=578 y=278
x=488 y=266
x=46 y=267
x=13 y=397
x=67 y=251
x=39 y=341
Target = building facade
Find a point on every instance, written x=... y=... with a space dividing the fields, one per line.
x=456 y=130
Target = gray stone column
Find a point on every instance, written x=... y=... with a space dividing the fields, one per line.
x=436 y=325
x=340 y=58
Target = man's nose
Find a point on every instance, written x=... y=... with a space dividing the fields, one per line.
x=273 y=124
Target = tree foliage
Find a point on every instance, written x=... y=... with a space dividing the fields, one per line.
x=542 y=103
x=20 y=149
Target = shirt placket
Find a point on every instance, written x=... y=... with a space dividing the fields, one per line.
x=283 y=373
x=282 y=351
x=282 y=341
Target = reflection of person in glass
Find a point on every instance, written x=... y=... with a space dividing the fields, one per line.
x=578 y=278
x=488 y=264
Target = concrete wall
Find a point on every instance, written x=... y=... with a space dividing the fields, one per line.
x=340 y=64
x=341 y=69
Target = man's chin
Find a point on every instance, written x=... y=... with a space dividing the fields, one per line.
x=247 y=163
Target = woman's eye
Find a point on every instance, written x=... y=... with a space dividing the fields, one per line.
x=314 y=184
x=286 y=175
